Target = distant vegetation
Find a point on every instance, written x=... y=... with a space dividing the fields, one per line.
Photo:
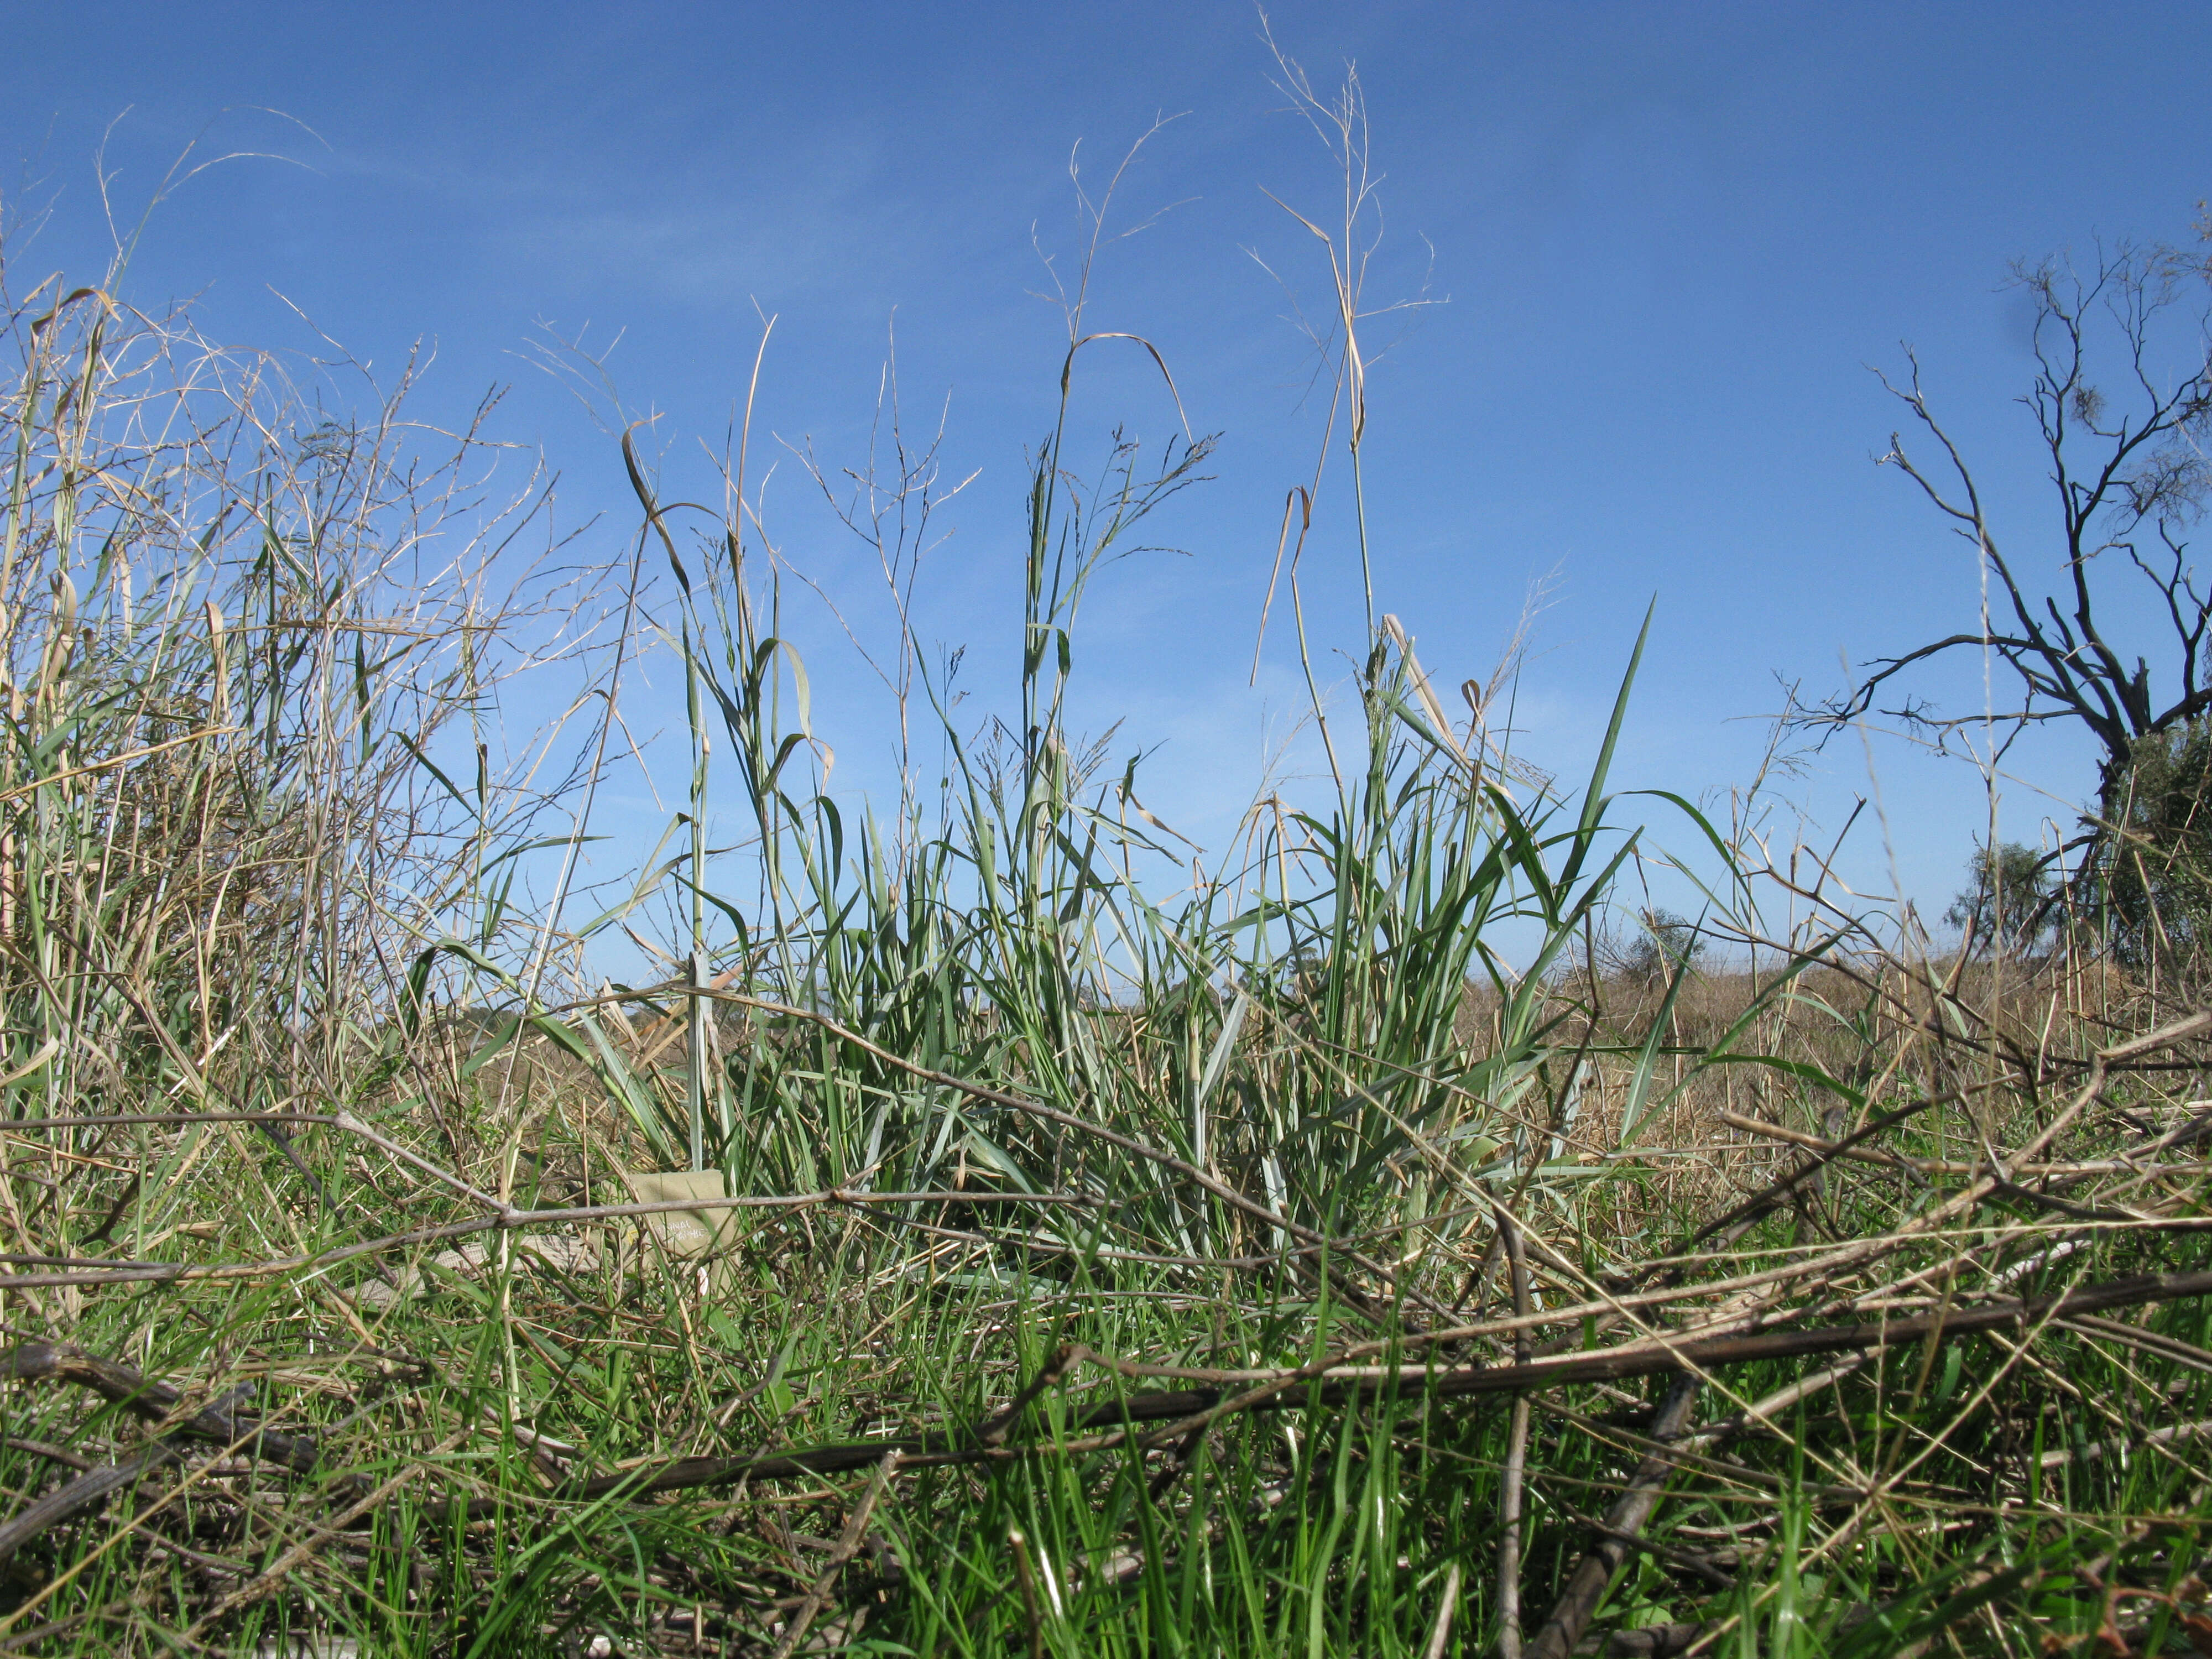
x=1115 y=1257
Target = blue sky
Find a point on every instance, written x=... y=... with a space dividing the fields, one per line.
x=1667 y=241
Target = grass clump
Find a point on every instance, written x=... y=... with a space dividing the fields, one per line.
x=1087 y=1260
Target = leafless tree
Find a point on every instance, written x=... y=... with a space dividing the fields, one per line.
x=2131 y=476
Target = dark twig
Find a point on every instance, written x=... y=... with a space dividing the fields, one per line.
x=92 y=1487
x=220 y=1421
x=1177 y=1462
x=1654 y=1641
x=52 y=1453
x=993 y=1429
x=1703 y=1567
x=848 y=1545
x=87 y=1491
x=1111 y=1423
x=1571 y=1614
